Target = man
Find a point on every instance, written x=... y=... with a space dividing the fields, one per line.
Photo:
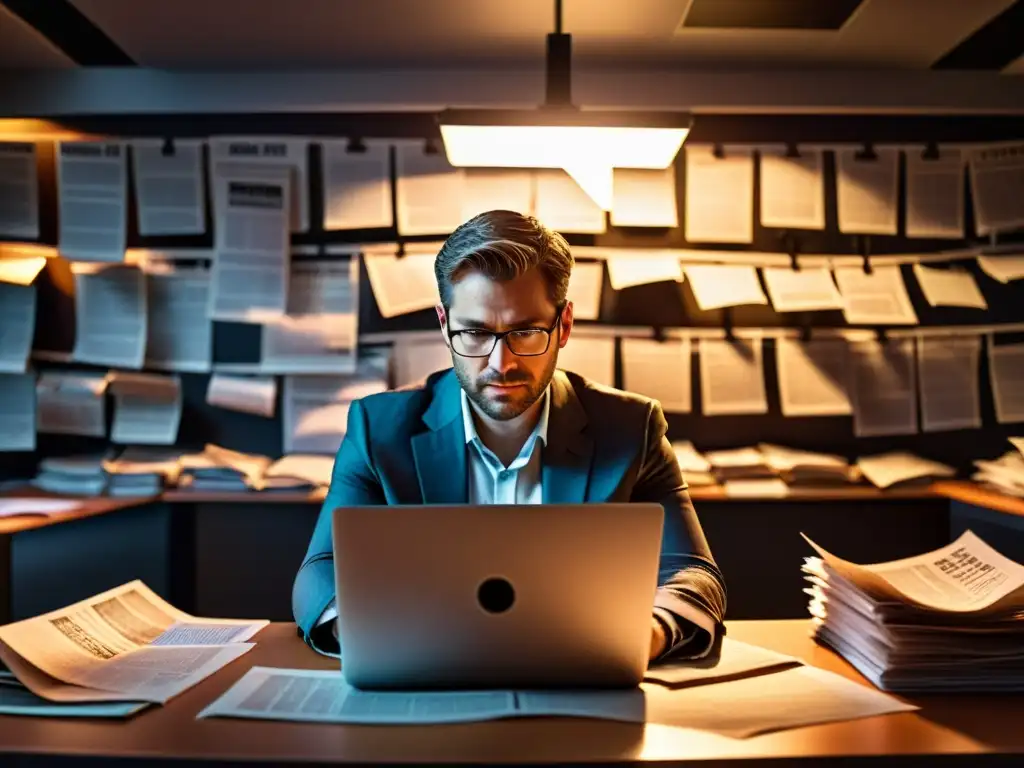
x=504 y=426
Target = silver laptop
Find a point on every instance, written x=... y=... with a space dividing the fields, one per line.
x=526 y=596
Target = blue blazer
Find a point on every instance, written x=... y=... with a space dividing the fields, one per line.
x=408 y=447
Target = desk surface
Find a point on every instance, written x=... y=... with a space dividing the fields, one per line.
x=979 y=495
x=88 y=507
x=981 y=730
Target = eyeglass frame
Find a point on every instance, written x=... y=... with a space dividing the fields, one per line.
x=502 y=336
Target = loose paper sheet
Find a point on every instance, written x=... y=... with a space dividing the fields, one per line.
x=13 y=507
x=493 y=189
x=948 y=376
x=997 y=188
x=430 y=192
x=736 y=658
x=883 y=385
x=878 y=298
x=866 y=191
x=629 y=268
x=756 y=488
x=689 y=458
x=792 y=189
x=591 y=357
x=17 y=326
x=644 y=197
x=935 y=194
x=21 y=270
x=357 y=186
x=19 y=192
x=415 y=360
x=813 y=377
x=402 y=284
x=715 y=286
x=563 y=206
x=1006 y=375
x=585 y=284
x=17 y=412
x=93 y=207
x=314 y=469
x=248 y=394
x=949 y=287
x=179 y=335
x=253 y=157
x=732 y=377
x=250 y=269
x=1003 y=267
x=147 y=408
x=719 y=195
x=658 y=369
x=316 y=409
x=110 y=317
x=801 y=290
x=170 y=195
x=887 y=469
x=72 y=403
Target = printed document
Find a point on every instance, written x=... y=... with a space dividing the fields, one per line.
x=887 y=469
x=147 y=408
x=250 y=269
x=884 y=388
x=110 y=316
x=1004 y=267
x=248 y=394
x=19 y=191
x=430 y=192
x=563 y=205
x=586 y=282
x=123 y=644
x=592 y=357
x=17 y=412
x=792 y=189
x=715 y=286
x=415 y=360
x=22 y=270
x=801 y=290
x=644 y=197
x=813 y=377
x=251 y=157
x=997 y=187
x=402 y=284
x=629 y=268
x=947 y=371
x=951 y=287
x=92 y=184
x=72 y=403
x=867 y=191
x=875 y=298
x=1006 y=375
x=719 y=195
x=17 y=325
x=496 y=189
x=170 y=193
x=935 y=194
x=732 y=377
x=357 y=185
x=660 y=370
x=316 y=409
x=179 y=335
x=16 y=699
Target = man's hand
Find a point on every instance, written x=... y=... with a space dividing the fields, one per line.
x=658 y=639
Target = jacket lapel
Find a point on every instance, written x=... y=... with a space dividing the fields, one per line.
x=569 y=451
x=440 y=453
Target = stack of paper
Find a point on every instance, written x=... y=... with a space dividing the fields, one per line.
x=219 y=469
x=142 y=471
x=948 y=620
x=808 y=468
x=1005 y=474
x=72 y=475
x=887 y=470
x=740 y=464
x=298 y=472
x=696 y=468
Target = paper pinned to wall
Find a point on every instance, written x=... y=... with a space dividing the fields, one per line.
x=883 y=385
x=92 y=193
x=430 y=192
x=357 y=185
x=19 y=190
x=629 y=268
x=1006 y=376
x=997 y=187
x=947 y=371
x=562 y=205
x=801 y=290
x=1004 y=267
x=644 y=197
x=17 y=326
x=316 y=409
x=493 y=189
x=147 y=408
x=110 y=316
x=813 y=377
x=867 y=191
x=732 y=377
x=72 y=403
x=659 y=370
x=935 y=193
x=179 y=335
x=949 y=287
x=17 y=412
x=251 y=157
x=875 y=298
x=170 y=195
x=792 y=188
x=715 y=286
x=248 y=394
x=586 y=282
x=591 y=357
x=719 y=195
x=402 y=284
x=413 y=361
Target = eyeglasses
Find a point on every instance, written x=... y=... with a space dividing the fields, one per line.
x=524 y=342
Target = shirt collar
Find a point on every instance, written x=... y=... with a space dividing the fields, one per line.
x=540 y=431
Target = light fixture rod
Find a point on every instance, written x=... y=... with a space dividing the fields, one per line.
x=559 y=64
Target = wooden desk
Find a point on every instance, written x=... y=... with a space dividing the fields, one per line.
x=966 y=730
x=980 y=496
x=87 y=507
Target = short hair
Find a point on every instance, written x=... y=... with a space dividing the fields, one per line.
x=504 y=245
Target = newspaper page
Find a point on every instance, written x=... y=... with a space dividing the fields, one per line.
x=813 y=377
x=951 y=287
x=883 y=384
x=792 y=188
x=1004 y=267
x=629 y=268
x=997 y=187
x=716 y=286
x=316 y=409
x=147 y=408
x=413 y=361
x=126 y=641
x=179 y=335
x=586 y=281
x=92 y=183
x=867 y=191
x=17 y=412
x=1006 y=375
x=19 y=190
x=732 y=377
x=72 y=403
x=719 y=195
x=170 y=195
x=248 y=394
x=591 y=357
x=947 y=373
x=935 y=193
x=801 y=290
x=876 y=298
x=357 y=185
x=250 y=269
x=496 y=189
x=660 y=370
x=402 y=284
x=110 y=316
x=644 y=197
x=17 y=326
x=563 y=205
x=429 y=192
x=267 y=157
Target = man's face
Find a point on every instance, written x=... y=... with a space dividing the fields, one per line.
x=504 y=385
